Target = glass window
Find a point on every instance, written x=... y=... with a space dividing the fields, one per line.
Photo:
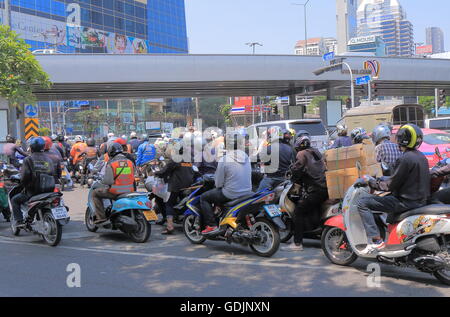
x=108 y=20
x=118 y=24
x=437 y=138
x=129 y=9
x=97 y=18
x=119 y=6
x=130 y=26
x=140 y=13
x=108 y=4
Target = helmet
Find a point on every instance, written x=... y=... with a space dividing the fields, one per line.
x=303 y=142
x=60 y=137
x=90 y=142
x=48 y=143
x=341 y=130
x=380 y=132
x=301 y=133
x=10 y=139
x=54 y=137
x=357 y=135
x=286 y=135
x=36 y=144
x=78 y=138
x=105 y=139
x=124 y=137
x=114 y=149
x=145 y=137
x=121 y=141
x=233 y=139
x=132 y=135
x=110 y=135
x=410 y=136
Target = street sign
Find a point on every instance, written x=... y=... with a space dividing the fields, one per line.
x=362 y=80
x=328 y=56
x=31 y=127
x=31 y=111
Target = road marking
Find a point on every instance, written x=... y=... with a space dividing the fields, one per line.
x=263 y=263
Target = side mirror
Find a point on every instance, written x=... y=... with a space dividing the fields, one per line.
x=359 y=167
x=438 y=153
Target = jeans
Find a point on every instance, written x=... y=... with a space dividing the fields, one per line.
x=269 y=182
x=370 y=204
x=97 y=198
x=206 y=200
x=170 y=204
x=16 y=202
x=308 y=210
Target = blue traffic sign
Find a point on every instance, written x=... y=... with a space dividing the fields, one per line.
x=31 y=111
x=363 y=80
x=328 y=56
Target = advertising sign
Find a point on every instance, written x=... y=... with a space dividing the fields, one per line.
x=423 y=50
x=153 y=125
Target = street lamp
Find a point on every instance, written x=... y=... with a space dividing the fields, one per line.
x=306 y=34
x=253 y=44
x=64 y=117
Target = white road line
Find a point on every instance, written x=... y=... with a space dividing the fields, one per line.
x=200 y=260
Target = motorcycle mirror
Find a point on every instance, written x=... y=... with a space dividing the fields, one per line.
x=438 y=153
x=195 y=168
x=161 y=158
x=359 y=167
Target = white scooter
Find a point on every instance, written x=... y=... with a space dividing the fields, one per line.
x=416 y=238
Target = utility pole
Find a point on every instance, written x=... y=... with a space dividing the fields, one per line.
x=7 y=13
x=306 y=33
x=253 y=44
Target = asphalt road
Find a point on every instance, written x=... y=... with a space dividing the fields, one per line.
x=112 y=265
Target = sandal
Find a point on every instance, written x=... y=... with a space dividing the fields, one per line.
x=167 y=231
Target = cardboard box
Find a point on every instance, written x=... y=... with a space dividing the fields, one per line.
x=346 y=157
x=338 y=181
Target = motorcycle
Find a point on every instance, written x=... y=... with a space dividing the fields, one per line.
x=6 y=171
x=48 y=214
x=88 y=176
x=250 y=221
x=130 y=213
x=442 y=182
x=415 y=238
x=291 y=192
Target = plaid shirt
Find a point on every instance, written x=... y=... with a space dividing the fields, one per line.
x=387 y=152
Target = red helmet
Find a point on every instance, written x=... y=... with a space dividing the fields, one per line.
x=121 y=141
x=48 y=143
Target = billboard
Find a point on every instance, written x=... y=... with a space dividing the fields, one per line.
x=243 y=101
x=423 y=50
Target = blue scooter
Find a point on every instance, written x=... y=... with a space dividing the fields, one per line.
x=130 y=213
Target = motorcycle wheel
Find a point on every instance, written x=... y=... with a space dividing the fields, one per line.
x=336 y=247
x=286 y=235
x=193 y=234
x=443 y=275
x=53 y=237
x=270 y=238
x=89 y=220
x=142 y=234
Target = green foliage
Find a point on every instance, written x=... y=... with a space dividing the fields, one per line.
x=225 y=111
x=429 y=104
x=209 y=111
x=19 y=69
x=44 y=131
x=90 y=119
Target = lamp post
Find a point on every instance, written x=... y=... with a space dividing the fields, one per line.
x=306 y=33
x=253 y=44
x=64 y=117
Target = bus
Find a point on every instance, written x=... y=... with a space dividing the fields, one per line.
x=369 y=117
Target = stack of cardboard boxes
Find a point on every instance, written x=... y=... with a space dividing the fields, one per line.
x=342 y=167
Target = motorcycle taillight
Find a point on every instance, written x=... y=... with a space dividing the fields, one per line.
x=55 y=202
x=149 y=204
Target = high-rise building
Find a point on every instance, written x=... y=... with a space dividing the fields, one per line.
x=346 y=19
x=435 y=38
x=387 y=19
x=368 y=44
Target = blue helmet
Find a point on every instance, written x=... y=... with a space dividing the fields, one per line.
x=37 y=144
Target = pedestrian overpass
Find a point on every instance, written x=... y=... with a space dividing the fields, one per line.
x=113 y=76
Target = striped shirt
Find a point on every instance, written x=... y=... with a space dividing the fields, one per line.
x=387 y=152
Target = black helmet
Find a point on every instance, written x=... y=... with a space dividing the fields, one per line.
x=105 y=139
x=303 y=142
x=114 y=149
x=410 y=136
x=61 y=137
x=301 y=133
x=286 y=135
x=10 y=139
x=90 y=142
x=37 y=144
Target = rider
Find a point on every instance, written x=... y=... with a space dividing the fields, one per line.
x=118 y=180
x=54 y=155
x=146 y=151
x=409 y=185
x=77 y=149
x=10 y=150
x=34 y=165
x=134 y=142
x=281 y=146
x=358 y=135
x=232 y=180
x=442 y=196
x=343 y=139
x=309 y=171
x=90 y=154
x=386 y=152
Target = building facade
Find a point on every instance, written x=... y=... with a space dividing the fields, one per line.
x=316 y=46
x=435 y=38
x=387 y=19
x=368 y=44
x=346 y=19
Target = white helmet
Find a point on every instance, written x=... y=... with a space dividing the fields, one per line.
x=78 y=138
x=132 y=135
x=110 y=135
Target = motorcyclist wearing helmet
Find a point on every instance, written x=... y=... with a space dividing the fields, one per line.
x=358 y=135
x=11 y=148
x=343 y=139
x=205 y=156
x=178 y=174
x=308 y=171
x=90 y=154
x=146 y=151
x=232 y=179
x=134 y=142
x=103 y=149
x=285 y=156
x=54 y=155
x=386 y=152
x=77 y=149
x=409 y=185
x=55 y=147
x=64 y=146
x=117 y=180
x=33 y=166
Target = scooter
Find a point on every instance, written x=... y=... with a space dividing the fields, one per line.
x=290 y=192
x=48 y=214
x=250 y=221
x=130 y=213
x=416 y=238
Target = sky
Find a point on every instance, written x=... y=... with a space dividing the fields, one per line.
x=224 y=26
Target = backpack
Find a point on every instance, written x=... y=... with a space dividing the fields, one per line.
x=42 y=182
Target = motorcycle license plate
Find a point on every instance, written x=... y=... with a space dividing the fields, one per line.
x=272 y=210
x=150 y=215
x=60 y=213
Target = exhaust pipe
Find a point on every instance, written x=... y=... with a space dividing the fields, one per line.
x=126 y=224
x=430 y=263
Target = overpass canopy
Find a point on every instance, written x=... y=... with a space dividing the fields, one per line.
x=113 y=76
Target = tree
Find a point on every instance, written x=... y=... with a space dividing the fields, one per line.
x=90 y=119
x=225 y=110
x=19 y=69
x=44 y=131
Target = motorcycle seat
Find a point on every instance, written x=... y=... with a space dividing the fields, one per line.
x=44 y=196
x=133 y=194
x=437 y=209
x=237 y=201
